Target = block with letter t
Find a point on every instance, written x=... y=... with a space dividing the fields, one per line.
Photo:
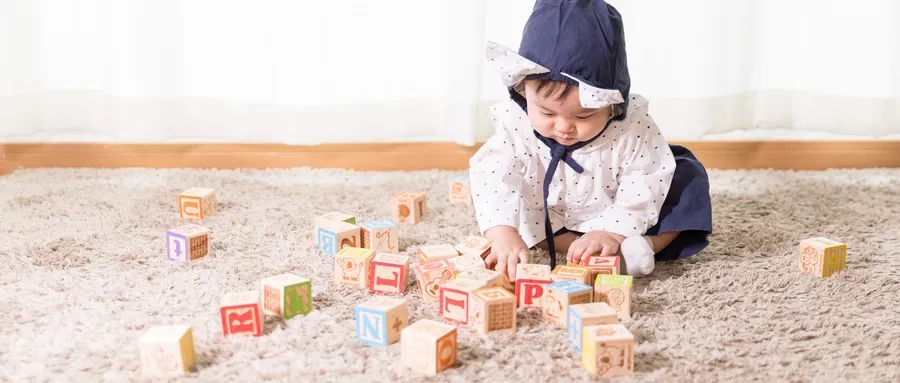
x=287 y=295
x=187 y=243
x=242 y=313
x=387 y=273
x=380 y=319
x=455 y=299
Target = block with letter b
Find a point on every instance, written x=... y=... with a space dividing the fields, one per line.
x=197 y=203
x=332 y=236
x=493 y=309
x=242 y=313
x=588 y=314
x=380 y=320
x=382 y=236
x=187 y=243
x=530 y=281
x=428 y=346
x=615 y=290
x=607 y=350
x=559 y=295
x=287 y=295
x=387 y=273
x=455 y=299
x=822 y=257
x=408 y=207
x=167 y=350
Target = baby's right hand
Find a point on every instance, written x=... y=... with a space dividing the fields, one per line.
x=507 y=250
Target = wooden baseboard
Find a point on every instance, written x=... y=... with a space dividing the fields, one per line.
x=795 y=155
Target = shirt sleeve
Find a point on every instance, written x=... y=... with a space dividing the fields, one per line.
x=646 y=168
x=496 y=179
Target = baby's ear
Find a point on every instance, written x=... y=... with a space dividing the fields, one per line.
x=593 y=97
x=512 y=67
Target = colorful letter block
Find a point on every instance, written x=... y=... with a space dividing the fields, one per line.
x=197 y=203
x=455 y=299
x=380 y=235
x=408 y=207
x=388 y=273
x=607 y=350
x=335 y=216
x=167 y=350
x=287 y=295
x=428 y=346
x=431 y=276
x=588 y=314
x=436 y=253
x=467 y=262
x=559 y=295
x=332 y=236
x=187 y=243
x=822 y=257
x=351 y=266
x=474 y=245
x=530 y=281
x=571 y=273
x=380 y=320
x=493 y=309
x=242 y=313
x=460 y=192
x=615 y=290
x=600 y=265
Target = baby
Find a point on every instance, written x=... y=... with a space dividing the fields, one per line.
x=577 y=159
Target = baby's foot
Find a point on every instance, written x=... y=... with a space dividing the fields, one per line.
x=638 y=254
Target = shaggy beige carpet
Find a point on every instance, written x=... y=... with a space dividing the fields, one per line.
x=83 y=275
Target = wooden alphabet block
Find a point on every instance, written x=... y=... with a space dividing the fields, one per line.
x=490 y=278
x=352 y=265
x=493 y=309
x=530 y=281
x=335 y=216
x=822 y=257
x=431 y=276
x=408 y=207
x=287 y=295
x=435 y=253
x=242 y=313
x=455 y=299
x=467 y=262
x=474 y=245
x=588 y=314
x=615 y=290
x=380 y=320
x=571 y=273
x=167 y=350
x=388 y=273
x=599 y=265
x=428 y=346
x=197 y=203
x=332 y=236
x=460 y=192
x=187 y=243
x=381 y=235
x=608 y=350
x=559 y=295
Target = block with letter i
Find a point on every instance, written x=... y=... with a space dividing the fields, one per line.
x=408 y=207
x=380 y=320
x=615 y=290
x=558 y=296
x=197 y=203
x=493 y=309
x=460 y=192
x=380 y=235
x=434 y=253
x=431 y=276
x=455 y=299
x=287 y=295
x=588 y=314
x=571 y=273
x=242 y=313
x=351 y=266
x=822 y=257
x=387 y=273
x=530 y=281
x=187 y=243
x=167 y=350
x=607 y=350
x=428 y=346
x=332 y=236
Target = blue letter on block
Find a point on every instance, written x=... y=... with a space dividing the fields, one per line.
x=575 y=329
x=568 y=287
x=371 y=326
x=327 y=241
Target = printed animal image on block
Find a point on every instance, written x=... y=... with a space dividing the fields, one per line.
x=490 y=278
x=822 y=257
x=332 y=236
x=335 y=216
x=431 y=276
x=434 y=253
x=167 y=350
x=388 y=273
x=352 y=265
x=197 y=203
x=460 y=192
x=474 y=245
x=287 y=295
x=615 y=290
x=380 y=235
x=530 y=281
x=187 y=243
x=455 y=299
x=607 y=350
x=428 y=346
x=467 y=262
x=588 y=314
x=408 y=207
x=380 y=320
x=493 y=309
x=559 y=295
x=242 y=314
x=571 y=273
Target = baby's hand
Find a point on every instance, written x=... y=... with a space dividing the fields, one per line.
x=507 y=250
x=594 y=242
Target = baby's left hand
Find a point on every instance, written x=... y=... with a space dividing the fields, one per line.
x=594 y=242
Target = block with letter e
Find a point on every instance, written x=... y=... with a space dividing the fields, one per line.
x=380 y=320
x=387 y=273
x=242 y=313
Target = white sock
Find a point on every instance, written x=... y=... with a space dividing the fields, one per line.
x=638 y=254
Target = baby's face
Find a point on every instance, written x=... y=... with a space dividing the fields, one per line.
x=563 y=119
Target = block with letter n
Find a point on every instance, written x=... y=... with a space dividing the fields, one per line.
x=287 y=295
x=588 y=314
x=456 y=298
x=530 y=281
x=387 y=273
x=380 y=320
x=242 y=313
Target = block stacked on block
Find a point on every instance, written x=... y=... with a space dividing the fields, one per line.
x=433 y=253
x=333 y=235
x=490 y=278
x=460 y=191
x=242 y=313
x=351 y=266
x=615 y=290
x=530 y=281
x=428 y=346
x=571 y=273
x=607 y=350
x=187 y=243
x=387 y=273
x=588 y=314
x=822 y=257
x=167 y=350
x=408 y=207
x=558 y=296
x=380 y=235
x=380 y=320
x=493 y=309
x=431 y=276
x=472 y=244
x=600 y=265
x=197 y=203
x=287 y=295
x=455 y=298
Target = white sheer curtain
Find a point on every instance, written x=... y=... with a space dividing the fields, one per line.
x=308 y=72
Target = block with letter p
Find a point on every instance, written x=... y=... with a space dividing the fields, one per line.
x=287 y=295
x=456 y=299
x=530 y=282
x=380 y=320
x=242 y=313
x=387 y=273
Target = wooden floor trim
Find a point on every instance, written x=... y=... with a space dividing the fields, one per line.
x=795 y=155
